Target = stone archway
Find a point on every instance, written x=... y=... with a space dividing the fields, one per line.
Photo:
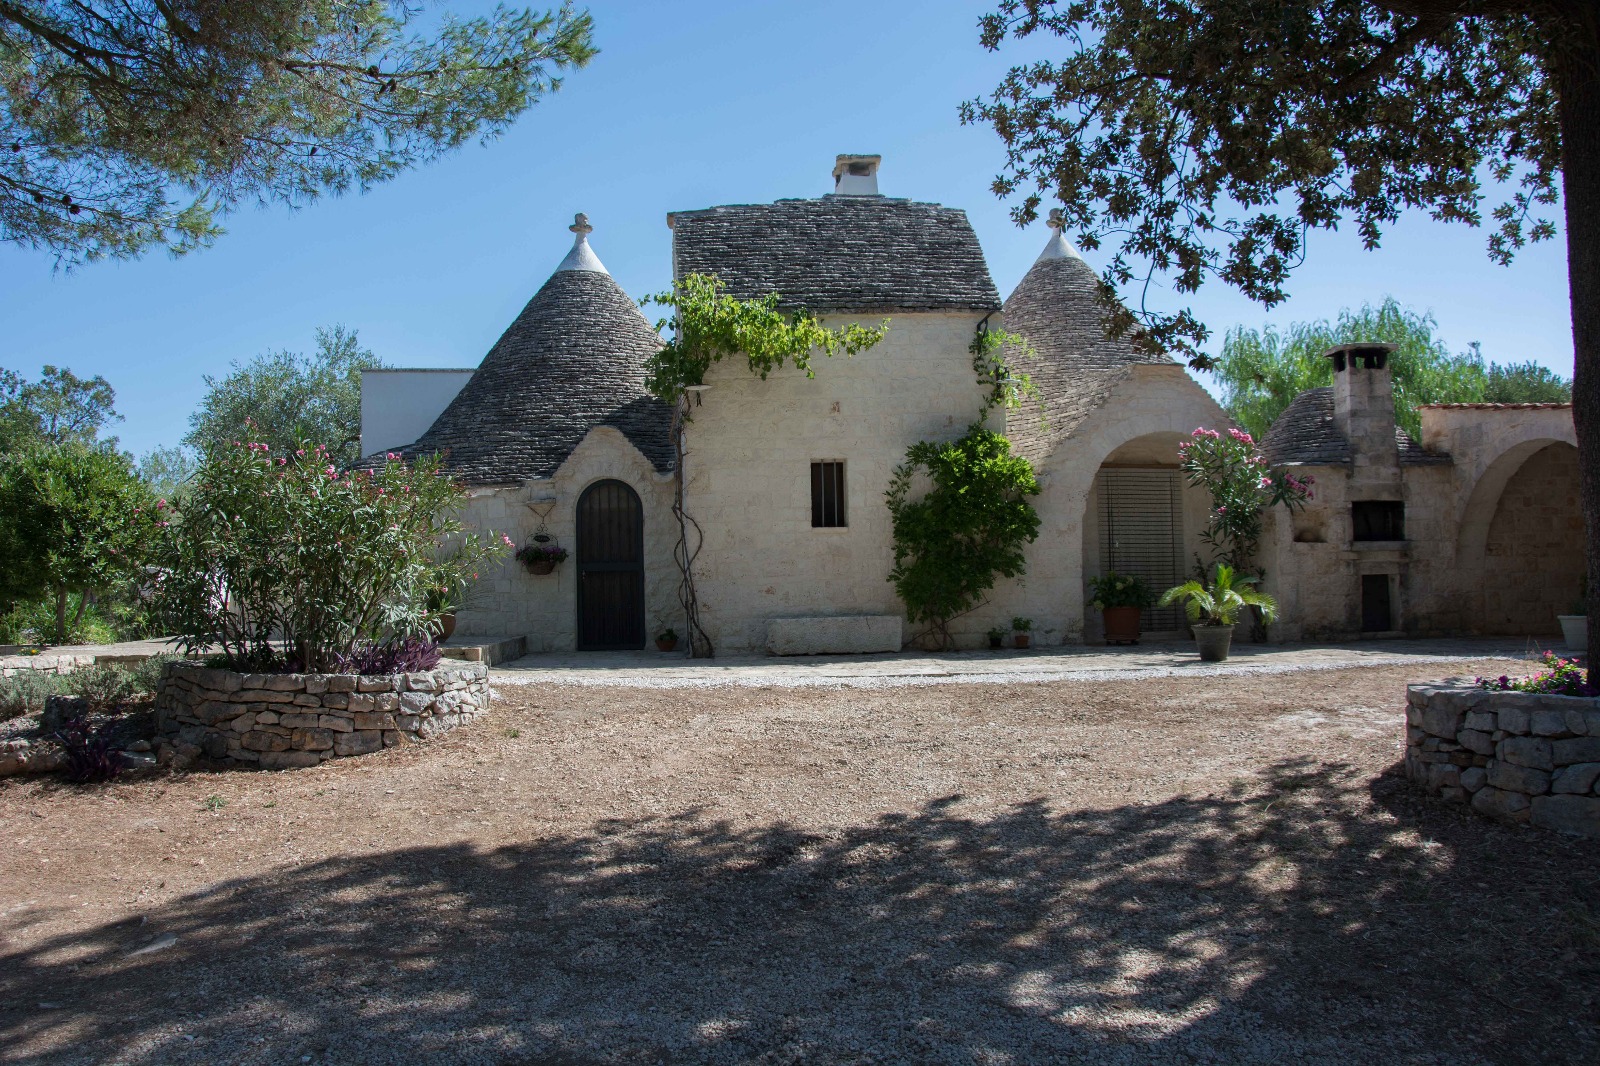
x=1521 y=539
x=1141 y=518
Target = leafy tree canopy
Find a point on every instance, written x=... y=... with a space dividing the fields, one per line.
x=282 y=398
x=1262 y=371
x=168 y=471
x=1209 y=138
x=131 y=123
x=58 y=408
x=74 y=519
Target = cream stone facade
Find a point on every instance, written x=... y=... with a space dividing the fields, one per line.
x=783 y=478
x=1489 y=539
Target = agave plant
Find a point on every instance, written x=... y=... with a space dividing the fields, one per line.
x=1219 y=601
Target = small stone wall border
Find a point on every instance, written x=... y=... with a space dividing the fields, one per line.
x=1515 y=756
x=282 y=721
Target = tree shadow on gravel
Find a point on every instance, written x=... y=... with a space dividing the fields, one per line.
x=1311 y=916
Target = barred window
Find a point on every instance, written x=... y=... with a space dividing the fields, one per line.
x=827 y=494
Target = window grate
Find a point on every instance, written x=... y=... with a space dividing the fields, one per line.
x=1141 y=533
x=827 y=495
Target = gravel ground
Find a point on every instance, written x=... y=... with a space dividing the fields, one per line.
x=1206 y=869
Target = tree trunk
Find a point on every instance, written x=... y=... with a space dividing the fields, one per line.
x=1579 y=80
x=61 y=616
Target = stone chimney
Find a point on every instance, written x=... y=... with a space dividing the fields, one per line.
x=856 y=175
x=1363 y=409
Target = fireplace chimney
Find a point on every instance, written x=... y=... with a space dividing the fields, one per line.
x=1363 y=409
x=856 y=175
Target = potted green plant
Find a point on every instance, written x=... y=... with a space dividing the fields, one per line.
x=541 y=558
x=666 y=640
x=1021 y=629
x=1214 y=608
x=1120 y=598
x=1575 y=626
x=997 y=637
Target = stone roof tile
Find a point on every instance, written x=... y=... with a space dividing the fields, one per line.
x=1305 y=435
x=572 y=360
x=870 y=254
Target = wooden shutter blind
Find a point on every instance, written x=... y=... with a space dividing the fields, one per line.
x=827 y=494
x=1141 y=533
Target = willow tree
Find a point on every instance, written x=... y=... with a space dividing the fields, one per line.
x=1208 y=138
x=127 y=124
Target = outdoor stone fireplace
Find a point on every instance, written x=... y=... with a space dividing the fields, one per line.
x=1516 y=756
x=279 y=721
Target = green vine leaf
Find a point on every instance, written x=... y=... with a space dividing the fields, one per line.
x=709 y=325
x=1008 y=387
x=966 y=532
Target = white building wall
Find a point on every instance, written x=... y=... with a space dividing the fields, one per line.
x=398 y=405
x=509 y=601
x=748 y=466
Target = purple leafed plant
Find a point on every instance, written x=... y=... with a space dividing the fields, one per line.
x=394 y=657
x=90 y=756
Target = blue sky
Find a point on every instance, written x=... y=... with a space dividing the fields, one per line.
x=688 y=105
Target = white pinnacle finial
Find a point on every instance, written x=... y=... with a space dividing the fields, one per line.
x=1058 y=247
x=582 y=257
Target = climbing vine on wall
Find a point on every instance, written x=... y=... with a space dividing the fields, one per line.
x=992 y=355
x=967 y=531
x=708 y=325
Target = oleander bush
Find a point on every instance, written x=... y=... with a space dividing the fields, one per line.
x=288 y=562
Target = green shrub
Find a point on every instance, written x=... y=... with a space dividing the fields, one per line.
x=25 y=692
x=267 y=549
x=146 y=675
x=102 y=686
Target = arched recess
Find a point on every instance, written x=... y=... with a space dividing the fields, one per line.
x=1141 y=518
x=611 y=607
x=1520 y=546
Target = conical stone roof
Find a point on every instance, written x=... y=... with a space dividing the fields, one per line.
x=1056 y=306
x=572 y=360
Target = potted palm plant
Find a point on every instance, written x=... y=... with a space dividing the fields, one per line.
x=1120 y=598
x=1213 y=607
x=1022 y=628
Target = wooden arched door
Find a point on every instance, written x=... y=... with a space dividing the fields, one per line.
x=610 y=568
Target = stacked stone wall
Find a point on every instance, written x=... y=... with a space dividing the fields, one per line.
x=1515 y=756
x=280 y=721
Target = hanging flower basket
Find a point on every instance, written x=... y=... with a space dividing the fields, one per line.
x=541 y=558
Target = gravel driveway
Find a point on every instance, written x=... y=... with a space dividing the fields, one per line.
x=1205 y=869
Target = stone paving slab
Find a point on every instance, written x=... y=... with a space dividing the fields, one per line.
x=675 y=670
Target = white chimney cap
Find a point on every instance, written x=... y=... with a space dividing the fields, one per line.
x=856 y=175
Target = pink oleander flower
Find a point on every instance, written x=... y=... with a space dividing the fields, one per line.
x=505 y=540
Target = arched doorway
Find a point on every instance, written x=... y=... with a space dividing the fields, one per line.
x=610 y=568
x=1533 y=545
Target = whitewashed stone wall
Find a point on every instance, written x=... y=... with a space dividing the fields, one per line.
x=748 y=467
x=1447 y=580
x=282 y=721
x=1516 y=756
x=509 y=601
x=1141 y=424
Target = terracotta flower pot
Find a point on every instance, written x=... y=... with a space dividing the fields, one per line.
x=666 y=645
x=1022 y=640
x=447 y=625
x=1122 y=625
x=543 y=566
x=1213 y=642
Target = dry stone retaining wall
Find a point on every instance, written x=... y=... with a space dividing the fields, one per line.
x=279 y=721
x=1516 y=756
